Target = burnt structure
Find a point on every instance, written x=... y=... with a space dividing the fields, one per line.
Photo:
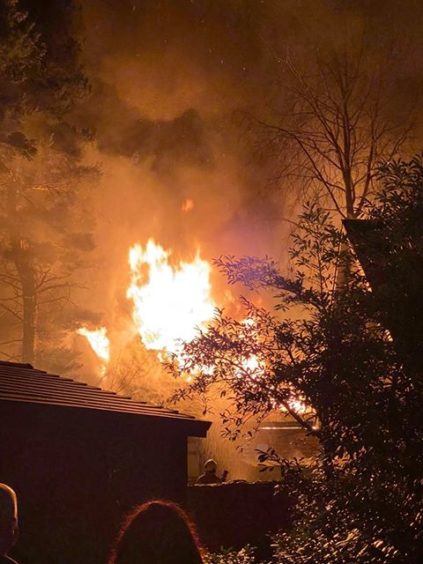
x=79 y=457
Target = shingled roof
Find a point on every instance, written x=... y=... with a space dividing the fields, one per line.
x=22 y=383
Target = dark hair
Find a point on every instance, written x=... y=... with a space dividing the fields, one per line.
x=157 y=532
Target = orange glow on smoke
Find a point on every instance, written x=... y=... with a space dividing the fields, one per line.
x=170 y=301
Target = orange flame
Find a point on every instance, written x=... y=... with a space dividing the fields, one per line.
x=170 y=302
x=99 y=342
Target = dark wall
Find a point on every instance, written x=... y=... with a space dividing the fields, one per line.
x=234 y=514
x=77 y=472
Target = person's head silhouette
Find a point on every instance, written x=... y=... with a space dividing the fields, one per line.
x=157 y=532
x=210 y=466
x=8 y=519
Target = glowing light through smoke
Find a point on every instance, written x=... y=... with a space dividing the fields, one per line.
x=170 y=301
x=188 y=205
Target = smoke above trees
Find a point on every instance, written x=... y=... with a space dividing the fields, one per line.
x=175 y=91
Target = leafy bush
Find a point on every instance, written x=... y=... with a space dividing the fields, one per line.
x=352 y=354
x=243 y=556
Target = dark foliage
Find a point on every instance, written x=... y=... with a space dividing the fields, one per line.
x=44 y=210
x=336 y=348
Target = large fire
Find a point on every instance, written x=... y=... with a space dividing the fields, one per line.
x=170 y=301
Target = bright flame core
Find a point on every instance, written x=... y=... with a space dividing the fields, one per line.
x=170 y=302
x=98 y=341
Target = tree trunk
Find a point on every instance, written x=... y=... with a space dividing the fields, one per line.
x=21 y=256
x=29 y=299
x=344 y=269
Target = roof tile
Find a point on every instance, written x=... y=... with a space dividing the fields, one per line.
x=24 y=384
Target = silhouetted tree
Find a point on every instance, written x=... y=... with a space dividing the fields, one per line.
x=41 y=173
x=336 y=120
x=329 y=348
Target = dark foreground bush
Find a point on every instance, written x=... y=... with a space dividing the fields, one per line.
x=342 y=355
x=243 y=556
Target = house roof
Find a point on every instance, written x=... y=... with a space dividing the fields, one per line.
x=372 y=248
x=394 y=270
x=22 y=383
